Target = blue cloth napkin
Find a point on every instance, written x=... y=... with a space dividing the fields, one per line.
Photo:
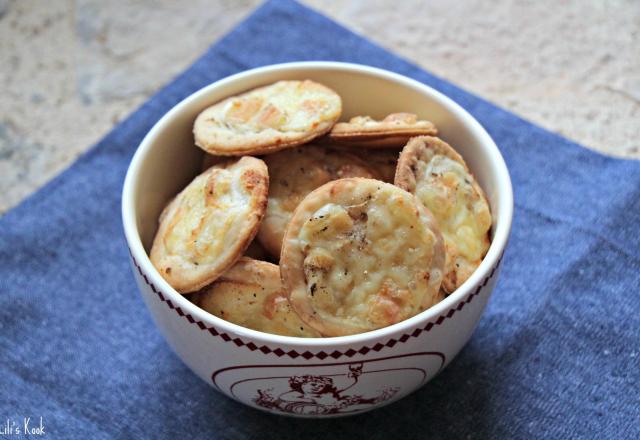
x=556 y=355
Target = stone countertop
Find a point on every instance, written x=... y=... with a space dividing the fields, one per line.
x=72 y=69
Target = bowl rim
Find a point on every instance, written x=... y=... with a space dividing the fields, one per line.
x=502 y=231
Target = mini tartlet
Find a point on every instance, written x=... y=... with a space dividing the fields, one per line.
x=361 y=254
x=208 y=225
x=267 y=119
x=439 y=177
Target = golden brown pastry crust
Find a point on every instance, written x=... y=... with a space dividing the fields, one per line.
x=208 y=225
x=361 y=254
x=296 y=172
x=439 y=177
x=250 y=294
x=268 y=119
x=393 y=131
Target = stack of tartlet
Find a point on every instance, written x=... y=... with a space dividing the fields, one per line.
x=301 y=225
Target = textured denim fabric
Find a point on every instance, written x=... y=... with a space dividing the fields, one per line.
x=557 y=354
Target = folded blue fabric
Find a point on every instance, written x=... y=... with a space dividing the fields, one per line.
x=556 y=355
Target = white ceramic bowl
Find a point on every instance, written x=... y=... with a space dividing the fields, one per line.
x=327 y=376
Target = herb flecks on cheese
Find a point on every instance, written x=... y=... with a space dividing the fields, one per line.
x=369 y=256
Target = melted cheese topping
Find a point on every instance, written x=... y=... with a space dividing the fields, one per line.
x=209 y=208
x=206 y=227
x=286 y=106
x=251 y=295
x=445 y=188
x=369 y=264
x=294 y=173
x=399 y=119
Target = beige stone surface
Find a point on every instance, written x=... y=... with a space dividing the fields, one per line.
x=70 y=70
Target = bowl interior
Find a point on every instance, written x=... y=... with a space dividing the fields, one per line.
x=167 y=160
